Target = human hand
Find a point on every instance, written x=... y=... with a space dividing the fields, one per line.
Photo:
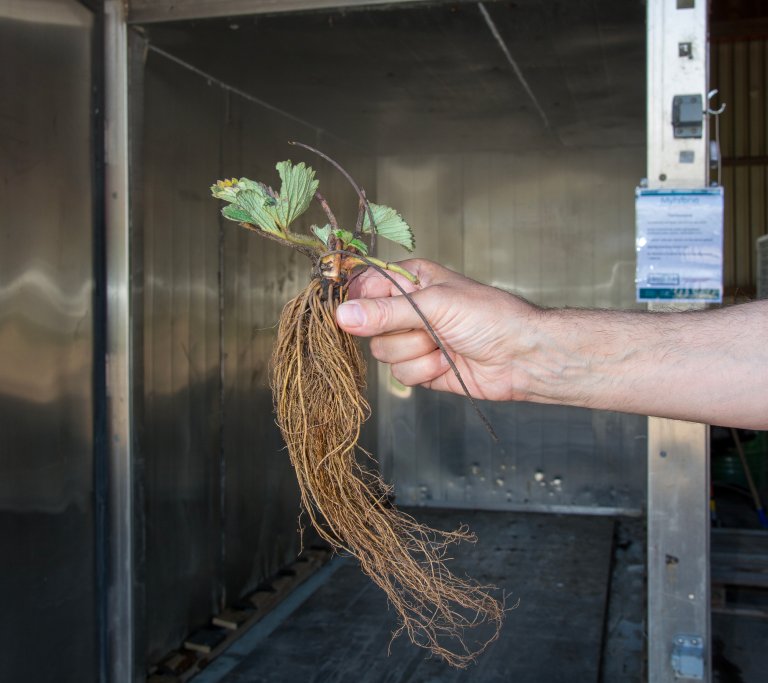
x=482 y=328
x=665 y=364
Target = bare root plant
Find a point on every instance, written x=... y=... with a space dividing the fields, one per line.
x=318 y=380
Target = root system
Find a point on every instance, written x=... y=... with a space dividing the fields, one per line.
x=318 y=377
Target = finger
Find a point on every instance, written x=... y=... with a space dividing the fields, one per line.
x=403 y=346
x=423 y=370
x=372 y=283
x=370 y=317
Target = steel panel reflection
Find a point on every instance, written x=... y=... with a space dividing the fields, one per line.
x=47 y=523
x=221 y=499
x=182 y=412
x=559 y=230
x=261 y=499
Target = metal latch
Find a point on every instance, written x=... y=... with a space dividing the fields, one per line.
x=688 y=657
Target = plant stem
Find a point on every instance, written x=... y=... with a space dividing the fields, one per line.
x=360 y=219
x=308 y=246
x=386 y=265
x=324 y=203
x=352 y=182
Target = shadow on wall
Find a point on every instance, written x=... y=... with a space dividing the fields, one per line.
x=47 y=537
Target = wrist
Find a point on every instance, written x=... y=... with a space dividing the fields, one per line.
x=565 y=358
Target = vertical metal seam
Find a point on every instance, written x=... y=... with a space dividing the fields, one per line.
x=119 y=368
x=734 y=172
x=99 y=379
x=750 y=140
x=764 y=150
x=765 y=134
x=222 y=360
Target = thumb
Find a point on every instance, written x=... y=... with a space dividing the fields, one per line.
x=370 y=317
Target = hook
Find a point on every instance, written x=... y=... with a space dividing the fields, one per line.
x=714 y=112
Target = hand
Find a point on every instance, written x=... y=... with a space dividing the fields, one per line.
x=481 y=327
x=700 y=366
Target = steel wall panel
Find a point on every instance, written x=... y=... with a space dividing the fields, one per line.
x=261 y=500
x=221 y=500
x=47 y=523
x=261 y=496
x=558 y=229
x=181 y=422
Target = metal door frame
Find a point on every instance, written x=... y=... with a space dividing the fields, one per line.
x=150 y=11
x=678 y=470
x=678 y=452
x=121 y=623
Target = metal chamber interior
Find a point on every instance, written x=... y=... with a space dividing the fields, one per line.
x=527 y=186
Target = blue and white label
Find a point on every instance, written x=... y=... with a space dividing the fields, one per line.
x=679 y=245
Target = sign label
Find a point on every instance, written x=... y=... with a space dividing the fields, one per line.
x=679 y=244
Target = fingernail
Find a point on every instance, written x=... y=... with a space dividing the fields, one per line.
x=351 y=314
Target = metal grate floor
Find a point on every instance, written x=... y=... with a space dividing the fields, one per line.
x=557 y=566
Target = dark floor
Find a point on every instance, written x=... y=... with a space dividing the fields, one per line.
x=557 y=566
x=739 y=649
x=739 y=653
x=337 y=628
x=623 y=657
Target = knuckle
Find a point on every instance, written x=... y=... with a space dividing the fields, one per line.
x=384 y=314
x=400 y=375
x=377 y=350
x=364 y=284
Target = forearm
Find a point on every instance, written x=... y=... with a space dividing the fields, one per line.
x=709 y=366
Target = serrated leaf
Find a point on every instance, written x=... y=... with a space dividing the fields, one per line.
x=235 y=213
x=296 y=192
x=255 y=202
x=225 y=189
x=344 y=235
x=248 y=184
x=391 y=225
x=361 y=246
x=249 y=202
x=259 y=206
x=322 y=233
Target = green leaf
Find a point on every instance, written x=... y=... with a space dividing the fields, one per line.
x=390 y=224
x=322 y=233
x=235 y=213
x=344 y=235
x=225 y=189
x=254 y=202
x=250 y=202
x=296 y=192
x=361 y=246
x=247 y=184
x=259 y=206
